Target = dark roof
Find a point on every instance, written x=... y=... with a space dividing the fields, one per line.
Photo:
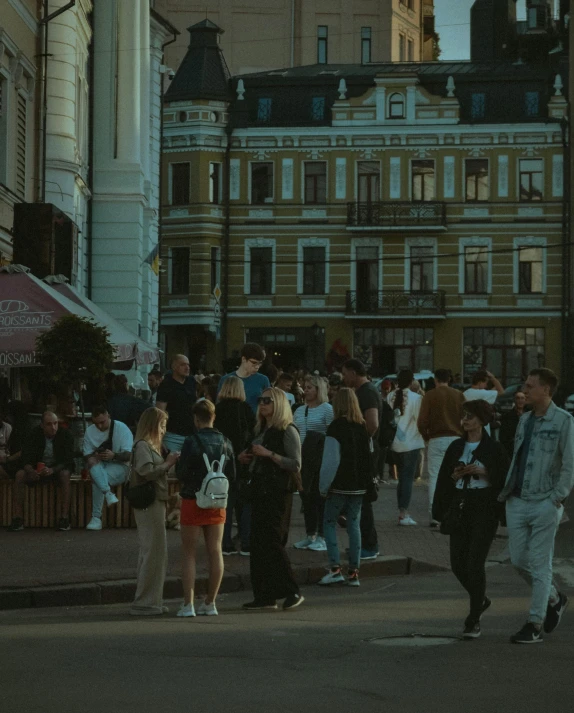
x=205 y=24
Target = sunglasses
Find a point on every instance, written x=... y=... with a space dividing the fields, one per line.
x=468 y=416
x=265 y=400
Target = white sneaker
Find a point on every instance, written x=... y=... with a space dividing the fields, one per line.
x=110 y=498
x=205 y=609
x=319 y=545
x=186 y=610
x=94 y=524
x=406 y=520
x=333 y=577
x=304 y=544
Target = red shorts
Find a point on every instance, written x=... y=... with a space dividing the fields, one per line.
x=193 y=515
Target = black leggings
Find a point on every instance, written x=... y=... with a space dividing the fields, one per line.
x=313 y=512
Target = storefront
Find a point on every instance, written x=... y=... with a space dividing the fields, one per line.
x=292 y=348
x=387 y=350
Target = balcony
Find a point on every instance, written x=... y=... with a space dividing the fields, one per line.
x=398 y=215
x=395 y=303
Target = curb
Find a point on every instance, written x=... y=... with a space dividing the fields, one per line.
x=122 y=591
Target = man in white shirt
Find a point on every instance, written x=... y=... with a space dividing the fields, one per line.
x=107 y=448
x=480 y=390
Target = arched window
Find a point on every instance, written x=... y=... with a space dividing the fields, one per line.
x=396 y=106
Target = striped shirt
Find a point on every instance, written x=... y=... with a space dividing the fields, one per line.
x=313 y=419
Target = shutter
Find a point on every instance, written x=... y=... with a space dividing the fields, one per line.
x=21 y=146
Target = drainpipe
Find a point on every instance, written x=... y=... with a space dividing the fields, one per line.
x=567 y=378
x=226 y=243
x=292 y=33
x=89 y=216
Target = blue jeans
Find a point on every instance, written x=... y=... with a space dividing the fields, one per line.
x=243 y=510
x=407 y=464
x=351 y=506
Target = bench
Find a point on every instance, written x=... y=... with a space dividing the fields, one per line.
x=42 y=505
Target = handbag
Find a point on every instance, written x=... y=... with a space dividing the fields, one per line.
x=140 y=497
x=453 y=518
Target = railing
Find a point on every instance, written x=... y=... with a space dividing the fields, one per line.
x=395 y=302
x=398 y=214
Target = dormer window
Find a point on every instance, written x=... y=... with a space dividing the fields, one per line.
x=318 y=109
x=264 y=106
x=396 y=106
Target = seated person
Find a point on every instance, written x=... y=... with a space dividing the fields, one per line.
x=107 y=448
x=48 y=456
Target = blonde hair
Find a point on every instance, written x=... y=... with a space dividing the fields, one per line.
x=282 y=414
x=346 y=405
x=204 y=411
x=232 y=388
x=150 y=424
x=321 y=385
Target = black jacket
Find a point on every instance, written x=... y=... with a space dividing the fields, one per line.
x=508 y=425
x=236 y=420
x=191 y=469
x=356 y=468
x=35 y=443
x=489 y=452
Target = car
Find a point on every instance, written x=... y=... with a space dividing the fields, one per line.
x=423 y=377
x=505 y=401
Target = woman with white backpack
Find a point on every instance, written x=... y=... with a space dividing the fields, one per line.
x=206 y=466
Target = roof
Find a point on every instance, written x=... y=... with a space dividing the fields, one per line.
x=205 y=25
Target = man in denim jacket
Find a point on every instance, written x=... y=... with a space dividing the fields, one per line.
x=540 y=478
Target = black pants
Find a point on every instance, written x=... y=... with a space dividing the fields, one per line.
x=469 y=546
x=271 y=574
x=369 y=537
x=313 y=512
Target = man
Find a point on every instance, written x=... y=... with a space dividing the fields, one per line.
x=439 y=424
x=252 y=357
x=540 y=478
x=48 y=456
x=285 y=383
x=107 y=448
x=480 y=389
x=176 y=396
x=154 y=379
x=335 y=383
x=509 y=422
x=123 y=406
x=387 y=387
x=370 y=403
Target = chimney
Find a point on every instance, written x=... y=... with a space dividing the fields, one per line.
x=493 y=33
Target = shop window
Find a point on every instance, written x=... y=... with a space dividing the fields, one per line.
x=477 y=179
x=261 y=271
x=314 y=271
x=261 y=183
x=476 y=270
x=531 y=179
x=530 y=270
x=315 y=182
x=179 y=271
x=423 y=180
x=388 y=350
x=180 y=183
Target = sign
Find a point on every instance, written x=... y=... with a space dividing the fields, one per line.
x=216 y=315
x=217 y=294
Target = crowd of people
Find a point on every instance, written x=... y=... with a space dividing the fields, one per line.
x=329 y=440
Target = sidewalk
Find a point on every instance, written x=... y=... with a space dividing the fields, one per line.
x=41 y=567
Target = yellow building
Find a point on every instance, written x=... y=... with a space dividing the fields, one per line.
x=406 y=214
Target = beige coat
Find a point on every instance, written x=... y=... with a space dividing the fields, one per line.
x=148 y=464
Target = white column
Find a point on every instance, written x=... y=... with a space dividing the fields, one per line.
x=145 y=109
x=129 y=82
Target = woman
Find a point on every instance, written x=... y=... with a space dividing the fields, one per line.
x=474 y=469
x=313 y=419
x=191 y=471
x=345 y=473
x=5 y=433
x=148 y=465
x=408 y=443
x=235 y=419
x=274 y=459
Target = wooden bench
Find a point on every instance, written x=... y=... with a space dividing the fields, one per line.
x=42 y=505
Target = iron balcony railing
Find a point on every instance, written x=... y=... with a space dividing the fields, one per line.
x=395 y=302
x=386 y=214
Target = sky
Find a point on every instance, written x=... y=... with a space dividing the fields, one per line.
x=453 y=26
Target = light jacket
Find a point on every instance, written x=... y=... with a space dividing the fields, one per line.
x=550 y=466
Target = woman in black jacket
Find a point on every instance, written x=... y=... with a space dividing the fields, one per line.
x=474 y=470
x=236 y=420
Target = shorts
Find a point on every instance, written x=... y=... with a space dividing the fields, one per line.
x=199 y=517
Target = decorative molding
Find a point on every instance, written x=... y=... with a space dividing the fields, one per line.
x=178 y=303
x=313 y=213
x=340 y=178
x=315 y=155
x=260 y=304
x=395 y=178
x=476 y=152
x=476 y=212
x=449 y=183
x=179 y=213
x=557 y=176
x=530 y=211
x=312 y=304
x=529 y=302
x=475 y=303
x=216 y=213
x=287 y=179
x=235 y=179
x=260 y=213
x=262 y=155
x=25 y=14
x=503 y=176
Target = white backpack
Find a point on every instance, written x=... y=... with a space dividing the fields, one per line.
x=215 y=486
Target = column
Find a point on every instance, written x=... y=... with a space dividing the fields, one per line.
x=129 y=82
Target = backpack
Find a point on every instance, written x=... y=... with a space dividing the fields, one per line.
x=214 y=488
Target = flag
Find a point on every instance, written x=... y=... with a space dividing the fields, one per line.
x=153 y=259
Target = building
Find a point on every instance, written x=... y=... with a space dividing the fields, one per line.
x=410 y=215
x=287 y=33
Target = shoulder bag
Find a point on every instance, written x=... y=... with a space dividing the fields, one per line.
x=140 y=497
x=453 y=518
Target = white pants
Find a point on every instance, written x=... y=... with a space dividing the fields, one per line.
x=105 y=475
x=436 y=450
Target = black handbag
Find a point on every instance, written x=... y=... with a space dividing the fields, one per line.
x=140 y=497
x=453 y=518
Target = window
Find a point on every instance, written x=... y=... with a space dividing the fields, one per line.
x=478 y=105
x=476 y=270
x=261 y=183
x=261 y=272
x=318 y=109
x=264 y=107
x=315 y=182
x=423 y=180
x=402 y=48
x=411 y=4
x=180 y=183
x=322 y=39
x=393 y=349
x=215 y=183
x=3 y=131
x=532 y=104
x=365 y=45
x=530 y=270
x=21 y=143
x=411 y=51
x=422 y=268
x=314 y=263
x=531 y=179
x=367 y=278
x=477 y=181
x=396 y=106
x=215 y=268
x=369 y=181
x=179 y=273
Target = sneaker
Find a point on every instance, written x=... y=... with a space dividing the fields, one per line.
x=186 y=610
x=353 y=580
x=205 y=609
x=64 y=524
x=16 y=525
x=94 y=524
x=304 y=544
x=293 y=601
x=245 y=553
x=319 y=545
x=255 y=605
x=554 y=613
x=228 y=551
x=369 y=554
x=406 y=520
x=434 y=523
x=332 y=577
x=110 y=498
x=471 y=631
x=529 y=634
